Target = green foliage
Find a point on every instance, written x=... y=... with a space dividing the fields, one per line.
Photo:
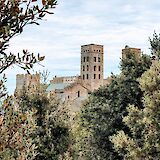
x=102 y=114
x=15 y=15
x=155 y=45
x=17 y=125
x=88 y=132
x=16 y=129
x=3 y=89
x=134 y=68
x=144 y=142
x=52 y=136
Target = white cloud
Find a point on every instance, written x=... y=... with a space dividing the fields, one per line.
x=113 y=23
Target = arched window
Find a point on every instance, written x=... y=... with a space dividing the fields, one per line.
x=94 y=68
x=84 y=59
x=87 y=59
x=83 y=76
x=99 y=76
x=94 y=76
x=99 y=60
x=83 y=68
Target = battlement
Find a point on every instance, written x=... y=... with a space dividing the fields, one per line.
x=27 y=75
x=26 y=80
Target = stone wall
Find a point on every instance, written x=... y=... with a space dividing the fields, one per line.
x=27 y=80
x=67 y=79
x=135 y=51
x=76 y=91
x=92 y=65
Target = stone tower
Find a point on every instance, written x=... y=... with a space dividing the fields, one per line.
x=127 y=50
x=92 y=66
x=27 y=80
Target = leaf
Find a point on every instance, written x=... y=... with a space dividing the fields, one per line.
x=41 y=58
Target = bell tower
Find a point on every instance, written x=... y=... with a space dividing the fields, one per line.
x=92 y=65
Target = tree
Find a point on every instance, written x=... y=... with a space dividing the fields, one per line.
x=17 y=126
x=52 y=136
x=144 y=142
x=155 y=45
x=101 y=116
x=15 y=15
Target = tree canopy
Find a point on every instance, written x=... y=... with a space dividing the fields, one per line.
x=144 y=142
x=101 y=116
x=16 y=126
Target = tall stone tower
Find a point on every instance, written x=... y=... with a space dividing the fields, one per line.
x=92 y=66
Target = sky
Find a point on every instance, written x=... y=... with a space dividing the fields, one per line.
x=112 y=23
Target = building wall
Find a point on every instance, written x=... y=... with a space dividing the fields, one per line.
x=92 y=65
x=68 y=79
x=76 y=91
x=135 y=51
x=91 y=78
x=27 y=80
x=107 y=81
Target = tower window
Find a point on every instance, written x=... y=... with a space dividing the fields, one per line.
x=84 y=59
x=94 y=68
x=87 y=68
x=78 y=93
x=87 y=76
x=99 y=76
x=94 y=59
x=99 y=68
x=99 y=60
x=94 y=76
x=87 y=59
x=83 y=76
x=83 y=68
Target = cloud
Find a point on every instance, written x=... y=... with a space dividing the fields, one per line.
x=112 y=23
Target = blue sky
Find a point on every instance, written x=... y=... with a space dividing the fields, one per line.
x=112 y=23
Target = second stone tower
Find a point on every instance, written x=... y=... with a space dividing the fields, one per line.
x=92 y=65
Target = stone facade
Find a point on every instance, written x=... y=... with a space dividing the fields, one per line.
x=135 y=51
x=27 y=80
x=68 y=79
x=92 y=66
x=107 y=81
x=75 y=89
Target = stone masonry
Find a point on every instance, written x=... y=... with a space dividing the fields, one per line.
x=76 y=89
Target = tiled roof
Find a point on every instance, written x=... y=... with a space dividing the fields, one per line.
x=53 y=87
